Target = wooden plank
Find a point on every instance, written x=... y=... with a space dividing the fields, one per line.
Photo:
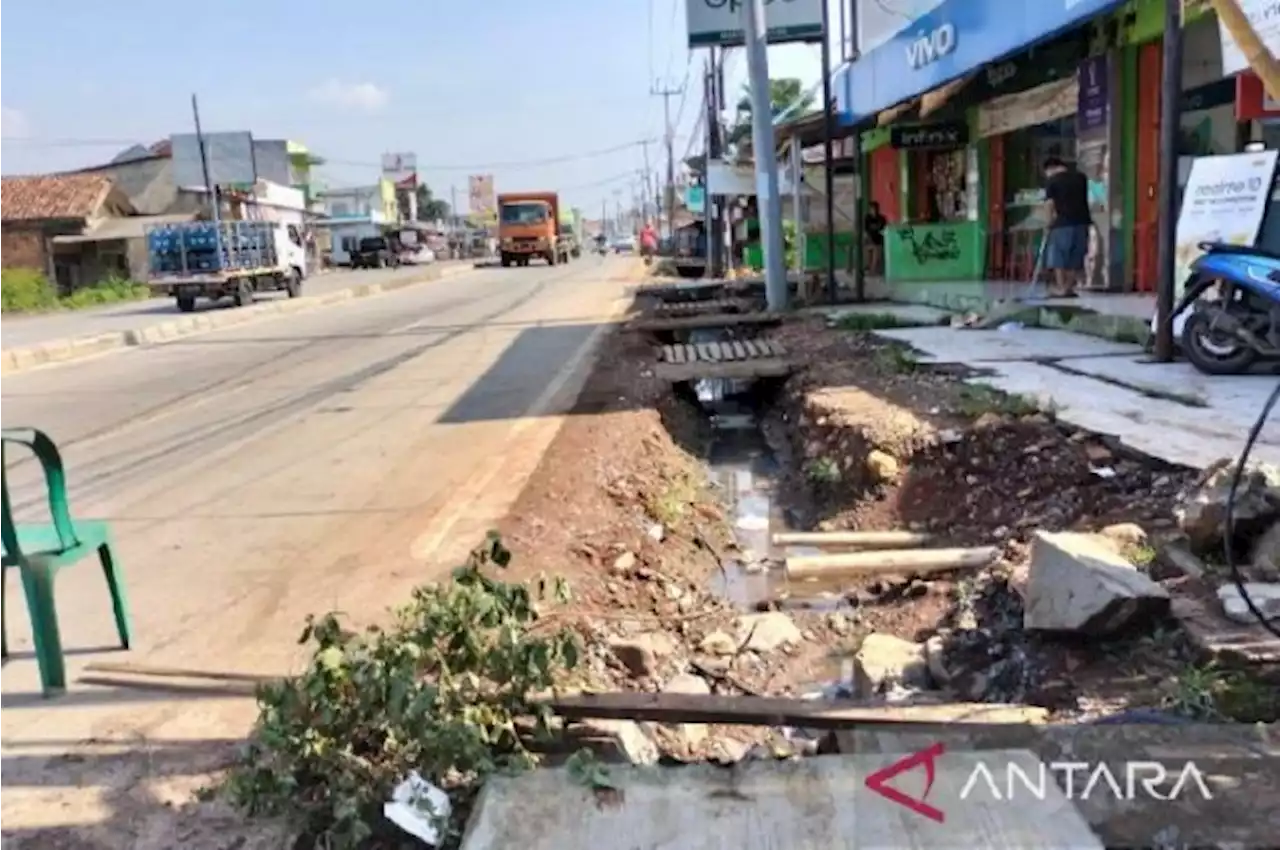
x=738 y=370
x=780 y=711
x=854 y=539
x=704 y=352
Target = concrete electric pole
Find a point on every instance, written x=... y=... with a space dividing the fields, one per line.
x=762 y=146
x=668 y=199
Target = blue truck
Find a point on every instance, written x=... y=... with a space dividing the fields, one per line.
x=216 y=259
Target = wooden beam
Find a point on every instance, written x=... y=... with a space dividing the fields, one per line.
x=855 y=539
x=779 y=711
x=902 y=561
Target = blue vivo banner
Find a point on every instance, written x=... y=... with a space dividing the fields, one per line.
x=950 y=40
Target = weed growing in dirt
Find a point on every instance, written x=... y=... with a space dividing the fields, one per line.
x=897 y=360
x=977 y=399
x=1210 y=693
x=872 y=322
x=672 y=502
x=1141 y=555
x=822 y=470
x=440 y=692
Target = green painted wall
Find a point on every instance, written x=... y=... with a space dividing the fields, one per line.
x=935 y=252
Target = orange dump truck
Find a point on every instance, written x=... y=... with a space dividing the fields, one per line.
x=529 y=227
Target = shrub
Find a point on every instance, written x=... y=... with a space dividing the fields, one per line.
x=26 y=289
x=439 y=692
x=109 y=291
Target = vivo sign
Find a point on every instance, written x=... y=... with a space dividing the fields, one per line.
x=931 y=46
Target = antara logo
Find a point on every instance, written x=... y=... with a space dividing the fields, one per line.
x=931 y=46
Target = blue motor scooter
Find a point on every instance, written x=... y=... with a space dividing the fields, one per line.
x=1238 y=323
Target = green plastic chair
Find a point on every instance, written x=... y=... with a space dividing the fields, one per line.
x=39 y=551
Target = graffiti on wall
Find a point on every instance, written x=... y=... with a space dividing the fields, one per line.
x=938 y=245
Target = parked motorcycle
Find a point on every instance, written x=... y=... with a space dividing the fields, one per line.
x=1238 y=324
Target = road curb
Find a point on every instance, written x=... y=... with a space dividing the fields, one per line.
x=75 y=348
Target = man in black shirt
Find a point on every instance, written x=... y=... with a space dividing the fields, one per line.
x=1067 y=242
x=873 y=225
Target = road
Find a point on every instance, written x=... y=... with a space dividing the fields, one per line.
x=258 y=474
x=22 y=331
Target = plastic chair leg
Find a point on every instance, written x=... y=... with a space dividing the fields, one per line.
x=37 y=581
x=119 y=599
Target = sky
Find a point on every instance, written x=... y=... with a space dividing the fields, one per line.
x=497 y=87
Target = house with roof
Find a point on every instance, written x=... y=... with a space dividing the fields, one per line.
x=44 y=219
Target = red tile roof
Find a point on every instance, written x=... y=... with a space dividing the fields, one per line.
x=52 y=196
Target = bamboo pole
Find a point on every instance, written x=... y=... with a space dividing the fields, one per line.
x=856 y=539
x=904 y=562
x=1255 y=51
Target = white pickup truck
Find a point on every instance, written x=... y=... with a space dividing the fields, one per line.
x=207 y=259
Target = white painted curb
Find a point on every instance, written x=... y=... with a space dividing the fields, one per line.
x=75 y=348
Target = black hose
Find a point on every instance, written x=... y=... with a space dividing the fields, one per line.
x=1236 y=577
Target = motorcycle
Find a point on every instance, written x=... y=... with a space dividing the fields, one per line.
x=1237 y=326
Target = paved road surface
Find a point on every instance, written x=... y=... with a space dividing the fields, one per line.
x=22 y=331
x=261 y=473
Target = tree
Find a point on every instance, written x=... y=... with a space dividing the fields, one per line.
x=431 y=208
x=785 y=94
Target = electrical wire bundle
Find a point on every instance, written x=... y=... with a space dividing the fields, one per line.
x=1232 y=493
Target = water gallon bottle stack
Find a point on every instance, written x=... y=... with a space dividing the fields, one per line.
x=205 y=247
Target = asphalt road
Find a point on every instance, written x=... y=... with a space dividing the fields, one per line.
x=22 y=331
x=262 y=473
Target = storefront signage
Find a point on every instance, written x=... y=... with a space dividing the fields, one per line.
x=719 y=22
x=1264 y=17
x=1039 y=105
x=940 y=136
x=932 y=46
x=1092 y=95
x=985 y=31
x=1225 y=200
x=1252 y=102
x=1209 y=95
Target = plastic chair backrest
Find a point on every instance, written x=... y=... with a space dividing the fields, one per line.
x=46 y=451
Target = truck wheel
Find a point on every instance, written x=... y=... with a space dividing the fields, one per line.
x=293 y=283
x=551 y=258
x=244 y=292
x=506 y=261
x=186 y=303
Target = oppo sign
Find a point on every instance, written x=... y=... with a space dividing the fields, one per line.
x=931 y=46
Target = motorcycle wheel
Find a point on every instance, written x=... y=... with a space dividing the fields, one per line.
x=1212 y=351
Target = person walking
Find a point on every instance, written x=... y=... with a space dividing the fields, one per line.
x=873 y=225
x=1066 y=195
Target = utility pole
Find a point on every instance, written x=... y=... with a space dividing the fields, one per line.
x=715 y=233
x=204 y=161
x=1166 y=240
x=453 y=206
x=669 y=197
x=859 y=179
x=644 y=180
x=762 y=145
x=828 y=158
x=604 y=216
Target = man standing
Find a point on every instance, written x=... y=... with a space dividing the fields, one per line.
x=873 y=225
x=1067 y=242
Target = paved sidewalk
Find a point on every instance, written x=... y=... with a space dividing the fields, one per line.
x=21 y=331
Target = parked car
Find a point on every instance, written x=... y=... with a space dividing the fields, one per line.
x=374 y=252
x=624 y=245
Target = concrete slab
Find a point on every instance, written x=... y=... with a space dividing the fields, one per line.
x=1171 y=431
x=961 y=345
x=814 y=802
x=1245 y=393
x=908 y=313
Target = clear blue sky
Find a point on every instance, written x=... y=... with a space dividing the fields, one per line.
x=466 y=86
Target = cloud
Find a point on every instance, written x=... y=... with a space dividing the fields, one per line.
x=361 y=96
x=14 y=123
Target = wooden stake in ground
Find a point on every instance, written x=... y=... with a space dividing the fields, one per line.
x=853 y=539
x=900 y=561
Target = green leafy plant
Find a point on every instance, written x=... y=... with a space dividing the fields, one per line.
x=441 y=691
x=977 y=399
x=822 y=470
x=28 y=291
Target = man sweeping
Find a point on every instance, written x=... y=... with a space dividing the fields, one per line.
x=1066 y=195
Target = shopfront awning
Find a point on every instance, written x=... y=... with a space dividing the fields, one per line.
x=932 y=101
x=912 y=56
x=893 y=113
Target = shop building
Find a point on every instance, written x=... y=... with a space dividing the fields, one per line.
x=960 y=106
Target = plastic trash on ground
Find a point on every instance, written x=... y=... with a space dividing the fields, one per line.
x=416 y=806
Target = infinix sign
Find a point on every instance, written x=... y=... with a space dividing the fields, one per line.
x=931 y=46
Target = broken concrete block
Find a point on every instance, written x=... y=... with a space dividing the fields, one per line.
x=1079 y=583
x=719 y=643
x=766 y=632
x=1202 y=510
x=695 y=734
x=626 y=741
x=884 y=660
x=1265 y=597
